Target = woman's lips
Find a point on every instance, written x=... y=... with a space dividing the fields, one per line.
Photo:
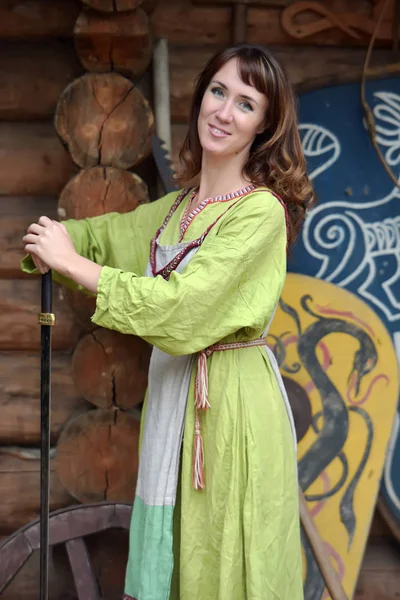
x=217 y=132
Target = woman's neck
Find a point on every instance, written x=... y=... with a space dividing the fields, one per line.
x=220 y=177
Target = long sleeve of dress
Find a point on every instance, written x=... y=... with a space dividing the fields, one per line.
x=233 y=282
x=99 y=239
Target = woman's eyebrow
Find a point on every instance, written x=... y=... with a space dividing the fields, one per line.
x=241 y=95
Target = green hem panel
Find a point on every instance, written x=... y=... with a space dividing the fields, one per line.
x=150 y=562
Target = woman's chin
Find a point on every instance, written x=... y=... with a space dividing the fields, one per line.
x=215 y=149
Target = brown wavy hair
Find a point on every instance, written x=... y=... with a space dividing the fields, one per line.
x=276 y=158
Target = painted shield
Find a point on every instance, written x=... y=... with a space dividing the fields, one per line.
x=340 y=370
x=352 y=237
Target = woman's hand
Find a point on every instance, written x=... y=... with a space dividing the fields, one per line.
x=40 y=265
x=50 y=245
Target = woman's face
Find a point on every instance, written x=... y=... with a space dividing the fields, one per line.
x=232 y=113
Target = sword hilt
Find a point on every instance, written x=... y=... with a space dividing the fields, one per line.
x=46 y=319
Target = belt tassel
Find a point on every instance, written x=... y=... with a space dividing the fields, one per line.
x=202 y=403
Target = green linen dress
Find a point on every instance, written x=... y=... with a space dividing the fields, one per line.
x=239 y=538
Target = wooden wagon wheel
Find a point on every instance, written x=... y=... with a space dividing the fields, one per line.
x=66 y=526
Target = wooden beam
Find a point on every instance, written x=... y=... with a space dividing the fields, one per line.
x=20 y=490
x=239 y=13
x=267 y=3
x=19 y=306
x=31 y=70
x=20 y=397
x=33 y=160
x=37 y=19
x=179 y=21
x=16 y=214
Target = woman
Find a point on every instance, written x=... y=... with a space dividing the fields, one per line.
x=215 y=517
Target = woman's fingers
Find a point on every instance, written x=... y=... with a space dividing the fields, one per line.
x=51 y=243
x=35 y=228
x=42 y=224
x=39 y=264
x=30 y=238
x=45 y=221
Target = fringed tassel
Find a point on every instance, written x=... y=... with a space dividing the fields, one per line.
x=201 y=403
x=201 y=383
x=198 y=457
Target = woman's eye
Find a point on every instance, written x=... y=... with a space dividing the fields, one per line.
x=246 y=105
x=217 y=91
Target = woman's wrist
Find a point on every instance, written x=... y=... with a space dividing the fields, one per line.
x=84 y=272
x=72 y=266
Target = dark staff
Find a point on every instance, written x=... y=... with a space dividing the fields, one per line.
x=46 y=320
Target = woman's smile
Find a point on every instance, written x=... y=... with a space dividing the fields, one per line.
x=217 y=132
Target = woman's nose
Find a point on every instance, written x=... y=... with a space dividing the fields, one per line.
x=224 y=113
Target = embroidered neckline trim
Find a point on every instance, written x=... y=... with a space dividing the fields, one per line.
x=188 y=217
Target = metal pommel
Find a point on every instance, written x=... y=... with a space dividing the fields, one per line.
x=46 y=319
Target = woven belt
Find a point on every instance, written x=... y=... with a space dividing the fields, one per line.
x=202 y=403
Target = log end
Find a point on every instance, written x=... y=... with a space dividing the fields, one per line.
x=97 y=456
x=111 y=369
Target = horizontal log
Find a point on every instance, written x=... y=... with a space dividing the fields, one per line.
x=97 y=456
x=179 y=20
x=19 y=306
x=279 y=3
x=16 y=214
x=20 y=397
x=20 y=490
x=110 y=6
x=307 y=68
x=37 y=19
x=110 y=369
x=31 y=70
x=114 y=42
x=149 y=5
x=104 y=120
x=100 y=190
x=33 y=162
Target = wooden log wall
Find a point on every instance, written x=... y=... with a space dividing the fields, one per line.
x=73 y=124
x=38 y=60
x=50 y=52
x=106 y=124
